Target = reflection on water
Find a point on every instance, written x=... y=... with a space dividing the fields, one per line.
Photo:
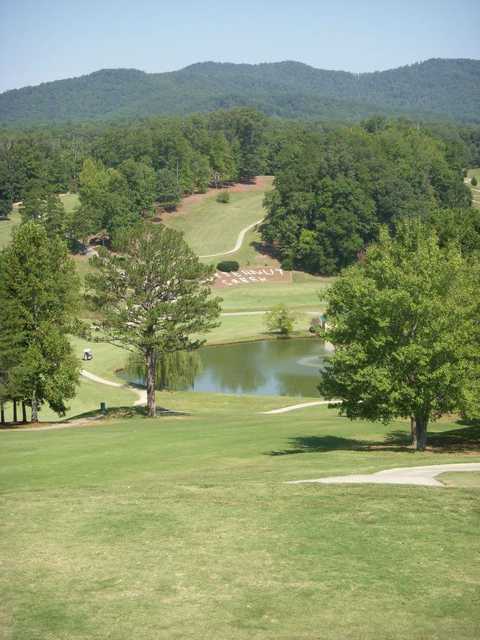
x=267 y=367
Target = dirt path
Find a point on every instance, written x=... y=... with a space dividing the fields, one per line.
x=422 y=476
x=238 y=244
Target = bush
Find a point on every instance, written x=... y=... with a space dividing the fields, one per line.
x=474 y=181
x=223 y=197
x=280 y=320
x=228 y=265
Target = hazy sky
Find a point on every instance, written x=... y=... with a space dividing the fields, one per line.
x=43 y=40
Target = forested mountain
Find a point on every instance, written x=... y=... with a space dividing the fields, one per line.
x=435 y=89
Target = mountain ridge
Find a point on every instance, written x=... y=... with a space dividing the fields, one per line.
x=436 y=88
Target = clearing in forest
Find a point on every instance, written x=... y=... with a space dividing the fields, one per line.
x=211 y=227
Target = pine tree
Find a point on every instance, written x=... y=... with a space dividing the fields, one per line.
x=154 y=296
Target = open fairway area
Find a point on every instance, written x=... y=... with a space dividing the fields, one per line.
x=475 y=190
x=185 y=527
x=7 y=227
x=211 y=227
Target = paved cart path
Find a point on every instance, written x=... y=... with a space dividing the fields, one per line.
x=424 y=476
x=238 y=244
x=141 y=393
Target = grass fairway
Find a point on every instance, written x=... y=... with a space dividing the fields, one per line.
x=475 y=190
x=7 y=227
x=212 y=227
x=262 y=296
x=183 y=527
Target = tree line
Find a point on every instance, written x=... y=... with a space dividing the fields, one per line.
x=431 y=90
x=335 y=189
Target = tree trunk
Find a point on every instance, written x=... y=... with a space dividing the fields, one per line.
x=24 y=412
x=34 y=407
x=150 y=362
x=2 y=413
x=419 y=433
x=14 y=411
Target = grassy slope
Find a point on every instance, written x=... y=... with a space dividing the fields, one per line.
x=476 y=190
x=212 y=227
x=69 y=200
x=7 y=226
x=184 y=528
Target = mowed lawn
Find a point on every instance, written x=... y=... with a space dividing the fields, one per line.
x=7 y=227
x=475 y=190
x=184 y=527
x=263 y=295
x=212 y=227
x=70 y=200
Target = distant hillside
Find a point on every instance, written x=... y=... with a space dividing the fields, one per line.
x=437 y=88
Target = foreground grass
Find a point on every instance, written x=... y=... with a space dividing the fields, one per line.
x=183 y=527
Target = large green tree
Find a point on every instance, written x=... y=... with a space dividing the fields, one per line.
x=39 y=291
x=154 y=296
x=404 y=324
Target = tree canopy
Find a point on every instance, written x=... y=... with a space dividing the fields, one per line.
x=39 y=293
x=431 y=89
x=154 y=296
x=404 y=323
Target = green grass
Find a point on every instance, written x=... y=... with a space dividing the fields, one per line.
x=212 y=227
x=469 y=480
x=7 y=227
x=262 y=296
x=69 y=200
x=476 y=190
x=184 y=527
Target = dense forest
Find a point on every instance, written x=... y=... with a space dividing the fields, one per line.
x=335 y=189
x=435 y=89
x=335 y=185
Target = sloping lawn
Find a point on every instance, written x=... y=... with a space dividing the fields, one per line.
x=184 y=527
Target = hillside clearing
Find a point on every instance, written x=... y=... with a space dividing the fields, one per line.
x=211 y=227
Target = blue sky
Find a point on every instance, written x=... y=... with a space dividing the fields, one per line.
x=42 y=40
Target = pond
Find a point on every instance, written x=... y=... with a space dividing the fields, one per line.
x=266 y=367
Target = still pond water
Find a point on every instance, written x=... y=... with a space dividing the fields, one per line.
x=266 y=367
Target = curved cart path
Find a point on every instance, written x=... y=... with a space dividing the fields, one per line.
x=423 y=476
x=238 y=244
x=295 y=407
x=141 y=393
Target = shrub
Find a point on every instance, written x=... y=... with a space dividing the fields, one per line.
x=280 y=320
x=223 y=197
x=228 y=265
x=474 y=181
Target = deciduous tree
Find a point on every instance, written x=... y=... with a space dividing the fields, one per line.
x=405 y=327
x=39 y=291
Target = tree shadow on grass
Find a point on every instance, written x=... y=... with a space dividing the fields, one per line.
x=95 y=416
x=461 y=440
x=265 y=249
